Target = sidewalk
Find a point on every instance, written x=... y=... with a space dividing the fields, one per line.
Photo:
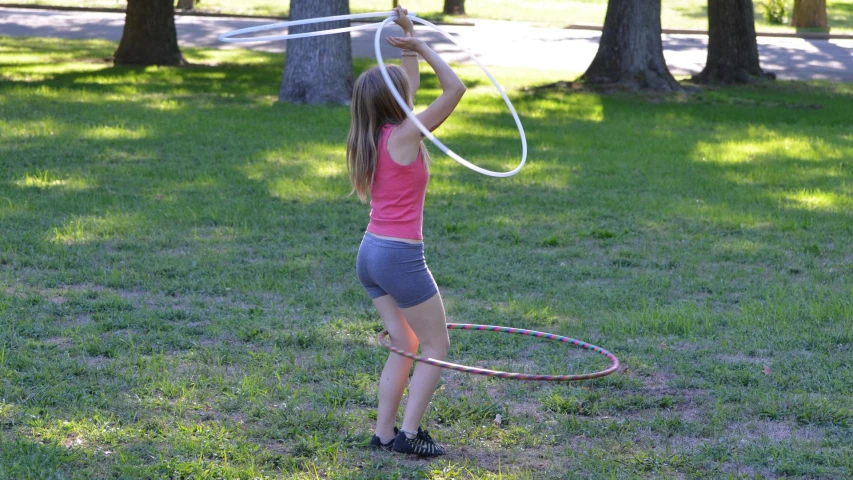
x=494 y=42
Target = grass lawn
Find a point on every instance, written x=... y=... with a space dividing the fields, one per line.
x=178 y=295
x=692 y=14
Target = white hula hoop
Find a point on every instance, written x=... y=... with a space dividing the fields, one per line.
x=422 y=128
x=228 y=37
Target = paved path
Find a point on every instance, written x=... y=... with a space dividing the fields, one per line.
x=495 y=42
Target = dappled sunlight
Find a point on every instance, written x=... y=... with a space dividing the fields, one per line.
x=302 y=171
x=8 y=410
x=84 y=229
x=721 y=215
x=235 y=56
x=763 y=143
x=329 y=169
x=40 y=72
x=45 y=180
x=558 y=107
x=735 y=248
x=192 y=309
x=817 y=200
x=21 y=129
x=113 y=132
x=163 y=104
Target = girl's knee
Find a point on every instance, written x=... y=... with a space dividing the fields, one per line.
x=438 y=346
x=408 y=343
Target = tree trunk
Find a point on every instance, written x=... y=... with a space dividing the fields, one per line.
x=149 y=36
x=454 y=7
x=630 y=53
x=732 y=47
x=809 y=14
x=318 y=69
x=185 y=4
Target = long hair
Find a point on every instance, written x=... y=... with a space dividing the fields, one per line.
x=373 y=106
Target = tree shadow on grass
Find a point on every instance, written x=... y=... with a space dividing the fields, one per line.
x=228 y=197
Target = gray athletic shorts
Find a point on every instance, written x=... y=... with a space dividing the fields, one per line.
x=388 y=267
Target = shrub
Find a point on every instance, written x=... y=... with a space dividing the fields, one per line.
x=775 y=12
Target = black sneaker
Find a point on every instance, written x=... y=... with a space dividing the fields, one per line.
x=422 y=445
x=376 y=442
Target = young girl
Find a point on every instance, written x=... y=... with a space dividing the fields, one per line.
x=386 y=156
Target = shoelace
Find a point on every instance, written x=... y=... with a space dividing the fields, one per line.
x=425 y=443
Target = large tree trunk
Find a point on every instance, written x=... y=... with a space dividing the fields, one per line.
x=454 y=7
x=318 y=69
x=732 y=47
x=809 y=14
x=149 y=36
x=630 y=53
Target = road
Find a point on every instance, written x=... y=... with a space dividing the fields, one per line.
x=494 y=42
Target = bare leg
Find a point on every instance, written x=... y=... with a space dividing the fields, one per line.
x=396 y=371
x=429 y=324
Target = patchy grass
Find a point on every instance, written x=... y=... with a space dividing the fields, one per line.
x=178 y=297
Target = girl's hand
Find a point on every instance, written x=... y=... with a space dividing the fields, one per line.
x=407 y=43
x=403 y=21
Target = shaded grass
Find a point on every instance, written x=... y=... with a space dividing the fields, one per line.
x=177 y=297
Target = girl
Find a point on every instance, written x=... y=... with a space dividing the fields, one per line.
x=385 y=156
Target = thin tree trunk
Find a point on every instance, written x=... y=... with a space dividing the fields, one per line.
x=732 y=47
x=149 y=36
x=454 y=7
x=318 y=69
x=630 y=53
x=185 y=4
x=809 y=14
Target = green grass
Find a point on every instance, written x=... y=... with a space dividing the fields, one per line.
x=178 y=296
x=691 y=14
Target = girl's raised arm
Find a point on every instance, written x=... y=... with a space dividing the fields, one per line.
x=452 y=90
x=410 y=59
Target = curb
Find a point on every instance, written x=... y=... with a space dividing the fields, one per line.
x=179 y=13
x=681 y=31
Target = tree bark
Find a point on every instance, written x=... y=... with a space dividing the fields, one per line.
x=732 y=47
x=149 y=36
x=630 y=53
x=454 y=7
x=809 y=14
x=318 y=69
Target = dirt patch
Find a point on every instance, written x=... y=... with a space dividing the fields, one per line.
x=82 y=321
x=96 y=362
x=132 y=294
x=526 y=409
x=741 y=358
x=58 y=300
x=72 y=440
x=746 y=471
x=62 y=342
x=774 y=431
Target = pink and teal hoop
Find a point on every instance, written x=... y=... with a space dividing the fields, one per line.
x=386 y=342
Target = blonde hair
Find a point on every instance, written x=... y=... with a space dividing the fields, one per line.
x=373 y=106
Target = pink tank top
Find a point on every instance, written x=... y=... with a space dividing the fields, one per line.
x=397 y=194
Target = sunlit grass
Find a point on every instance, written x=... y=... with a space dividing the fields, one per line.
x=178 y=297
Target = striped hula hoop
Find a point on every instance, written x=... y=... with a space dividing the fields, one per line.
x=386 y=342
